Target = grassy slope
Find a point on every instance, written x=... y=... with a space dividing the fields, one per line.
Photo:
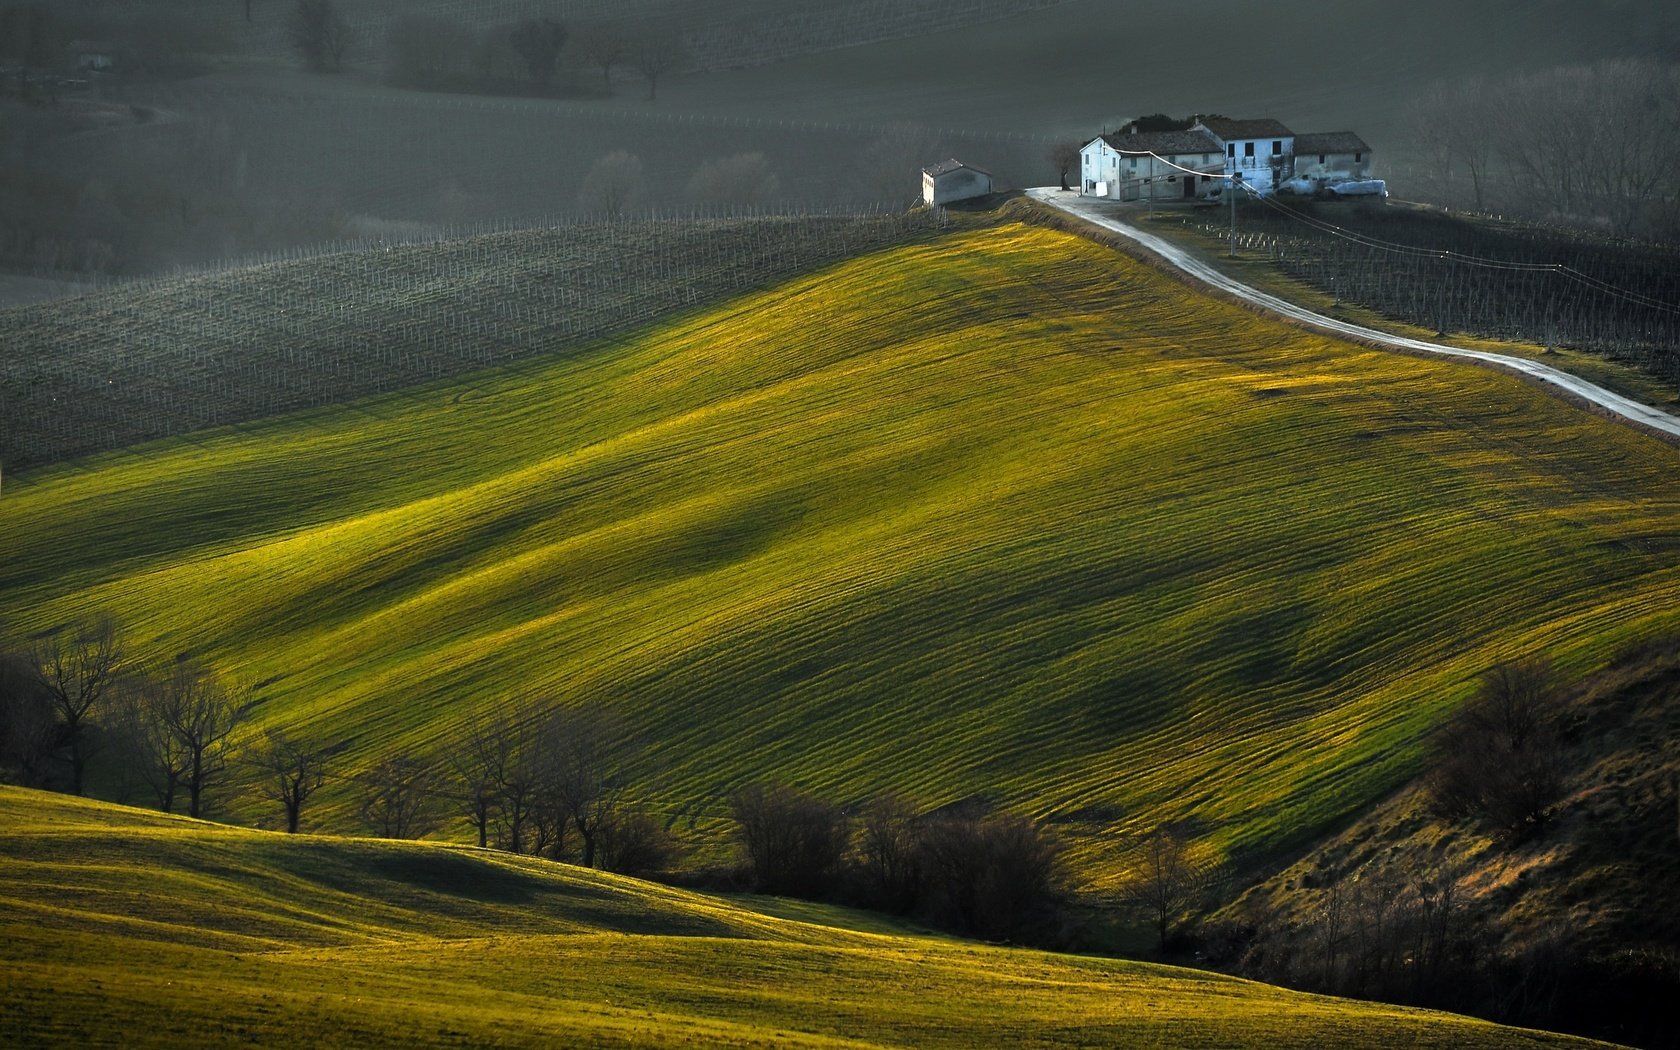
x=121 y=928
x=1006 y=514
x=1602 y=869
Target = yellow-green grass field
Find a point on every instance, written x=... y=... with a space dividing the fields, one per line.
x=121 y=928
x=1004 y=515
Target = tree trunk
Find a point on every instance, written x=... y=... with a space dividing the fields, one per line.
x=293 y=805
x=588 y=847
x=78 y=759
x=195 y=786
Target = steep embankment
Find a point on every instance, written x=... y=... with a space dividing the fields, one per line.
x=1005 y=515
x=119 y=928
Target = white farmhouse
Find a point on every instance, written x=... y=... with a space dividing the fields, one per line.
x=1261 y=151
x=1151 y=165
x=1329 y=158
x=952 y=180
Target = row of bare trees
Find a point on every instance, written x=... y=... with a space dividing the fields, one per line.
x=962 y=868
x=532 y=56
x=78 y=692
x=1596 y=144
x=527 y=777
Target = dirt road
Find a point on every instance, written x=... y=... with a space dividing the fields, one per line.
x=1095 y=213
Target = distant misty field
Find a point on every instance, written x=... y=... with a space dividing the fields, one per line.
x=256 y=154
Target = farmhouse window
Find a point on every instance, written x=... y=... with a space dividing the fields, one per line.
x=1231 y=151
x=1248 y=149
x=1321 y=158
x=1357 y=157
x=1277 y=148
x=1172 y=158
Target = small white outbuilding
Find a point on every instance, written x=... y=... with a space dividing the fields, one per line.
x=952 y=180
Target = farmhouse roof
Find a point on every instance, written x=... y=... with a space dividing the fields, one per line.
x=1163 y=142
x=1262 y=128
x=1330 y=142
x=945 y=167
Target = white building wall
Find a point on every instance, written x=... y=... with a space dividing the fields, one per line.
x=1150 y=178
x=1261 y=163
x=1099 y=167
x=1335 y=167
x=959 y=185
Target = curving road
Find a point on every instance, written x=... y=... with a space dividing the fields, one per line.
x=1616 y=404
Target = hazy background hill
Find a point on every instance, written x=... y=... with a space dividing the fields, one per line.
x=217 y=145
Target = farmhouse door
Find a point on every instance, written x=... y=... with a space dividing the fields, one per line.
x=1189 y=185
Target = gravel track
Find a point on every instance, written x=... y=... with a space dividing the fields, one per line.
x=1624 y=407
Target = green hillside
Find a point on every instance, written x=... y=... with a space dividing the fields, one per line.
x=121 y=928
x=1003 y=515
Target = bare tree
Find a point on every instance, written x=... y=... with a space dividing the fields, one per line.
x=1452 y=129
x=579 y=746
x=538 y=42
x=202 y=714
x=1064 y=157
x=1499 y=757
x=293 y=770
x=77 y=667
x=605 y=46
x=319 y=34
x=1165 y=880
x=161 y=758
x=655 y=52
x=744 y=180
x=399 y=798
x=478 y=763
x=28 y=727
x=889 y=852
x=613 y=185
x=501 y=767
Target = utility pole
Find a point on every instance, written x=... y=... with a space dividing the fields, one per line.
x=1236 y=180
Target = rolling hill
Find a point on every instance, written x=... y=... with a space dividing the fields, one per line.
x=1000 y=516
x=131 y=929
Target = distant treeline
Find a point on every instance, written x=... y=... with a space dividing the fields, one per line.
x=1578 y=145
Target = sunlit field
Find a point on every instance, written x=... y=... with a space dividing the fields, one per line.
x=1003 y=516
x=119 y=928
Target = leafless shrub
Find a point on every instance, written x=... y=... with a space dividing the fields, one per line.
x=399 y=799
x=1166 y=880
x=1499 y=758
x=794 y=844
